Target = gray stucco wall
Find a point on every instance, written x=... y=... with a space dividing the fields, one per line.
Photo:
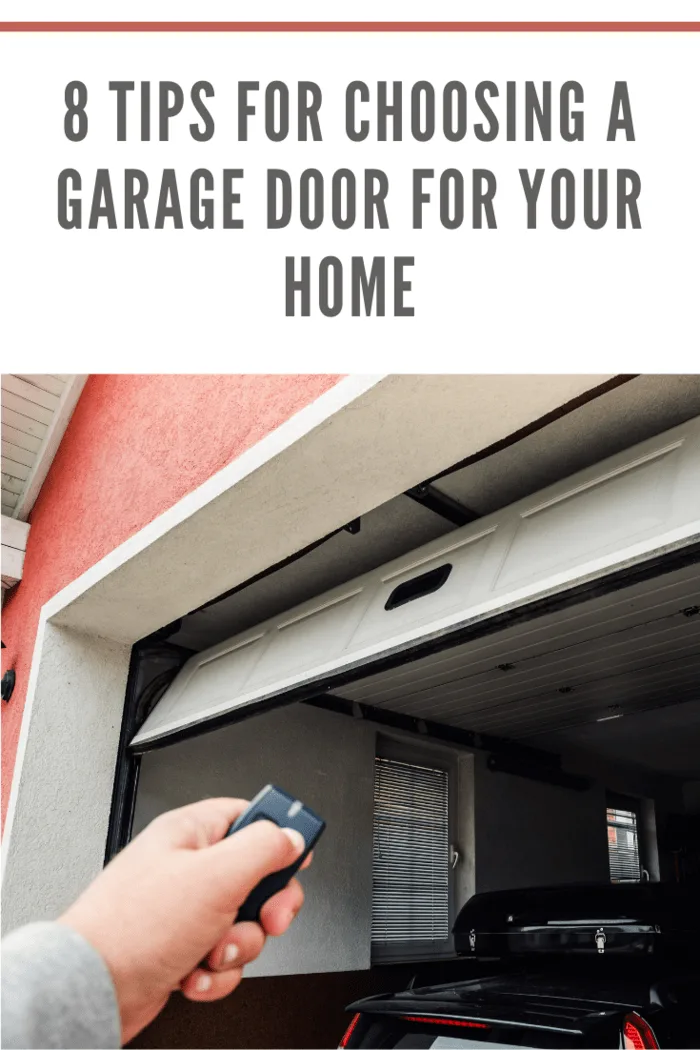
x=510 y=831
x=533 y=834
x=55 y=842
x=328 y=761
x=691 y=796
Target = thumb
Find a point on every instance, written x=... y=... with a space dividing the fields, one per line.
x=238 y=863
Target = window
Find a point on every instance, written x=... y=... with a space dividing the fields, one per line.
x=623 y=845
x=411 y=867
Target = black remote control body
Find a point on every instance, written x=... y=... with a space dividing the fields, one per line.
x=287 y=812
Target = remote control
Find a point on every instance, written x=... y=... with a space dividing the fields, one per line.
x=287 y=812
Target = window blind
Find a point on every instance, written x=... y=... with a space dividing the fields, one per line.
x=623 y=845
x=410 y=897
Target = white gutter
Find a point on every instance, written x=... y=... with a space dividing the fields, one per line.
x=14 y=544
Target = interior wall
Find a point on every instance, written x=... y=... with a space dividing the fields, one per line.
x=661 y=796
x=465 y=873
x=511 y=831
x=691 y=796
x=527 y=833
x=533 y=834
x=328 y=761
x=627 y=779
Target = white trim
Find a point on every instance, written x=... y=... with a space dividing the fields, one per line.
x=12 y=565
x=14 y=544
x=49 y=447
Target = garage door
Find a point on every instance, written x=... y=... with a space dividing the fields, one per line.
x=631 y=510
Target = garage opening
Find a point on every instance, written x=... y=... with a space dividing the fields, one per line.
x=513 y=704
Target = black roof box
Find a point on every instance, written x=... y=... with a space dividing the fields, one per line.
x=589 y=919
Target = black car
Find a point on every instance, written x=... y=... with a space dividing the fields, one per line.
x=579 y=966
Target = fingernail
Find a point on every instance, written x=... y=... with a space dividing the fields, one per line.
x=230 y=953
x=204 y=983
x=296 y=839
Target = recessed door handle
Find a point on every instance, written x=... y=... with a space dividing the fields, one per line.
x=418 y=587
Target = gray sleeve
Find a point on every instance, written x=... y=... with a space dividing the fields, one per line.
x=56 y=991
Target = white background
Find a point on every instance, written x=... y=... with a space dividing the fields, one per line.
x=510 y=299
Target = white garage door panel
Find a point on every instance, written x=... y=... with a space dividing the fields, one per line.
x=467 y=556
x=594 y=516
x=625 y=510
x=216 y=674
x=327 y=625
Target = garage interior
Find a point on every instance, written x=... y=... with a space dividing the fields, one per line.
x=549 y=722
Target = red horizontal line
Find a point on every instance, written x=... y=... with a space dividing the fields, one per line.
x=349 y=27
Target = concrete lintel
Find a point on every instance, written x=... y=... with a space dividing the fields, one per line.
x=335 y=460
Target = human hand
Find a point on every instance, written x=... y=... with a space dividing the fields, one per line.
x=169 y=901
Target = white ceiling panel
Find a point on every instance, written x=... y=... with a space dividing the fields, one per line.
x=51 y=384
x=665 y=739
x=629 y=651
x=35 y=412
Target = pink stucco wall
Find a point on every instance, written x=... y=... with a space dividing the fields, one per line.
x=135 y=445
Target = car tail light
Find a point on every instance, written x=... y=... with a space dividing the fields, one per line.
x=449 y=1021
x=637 y=1034
x=350 y=1029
